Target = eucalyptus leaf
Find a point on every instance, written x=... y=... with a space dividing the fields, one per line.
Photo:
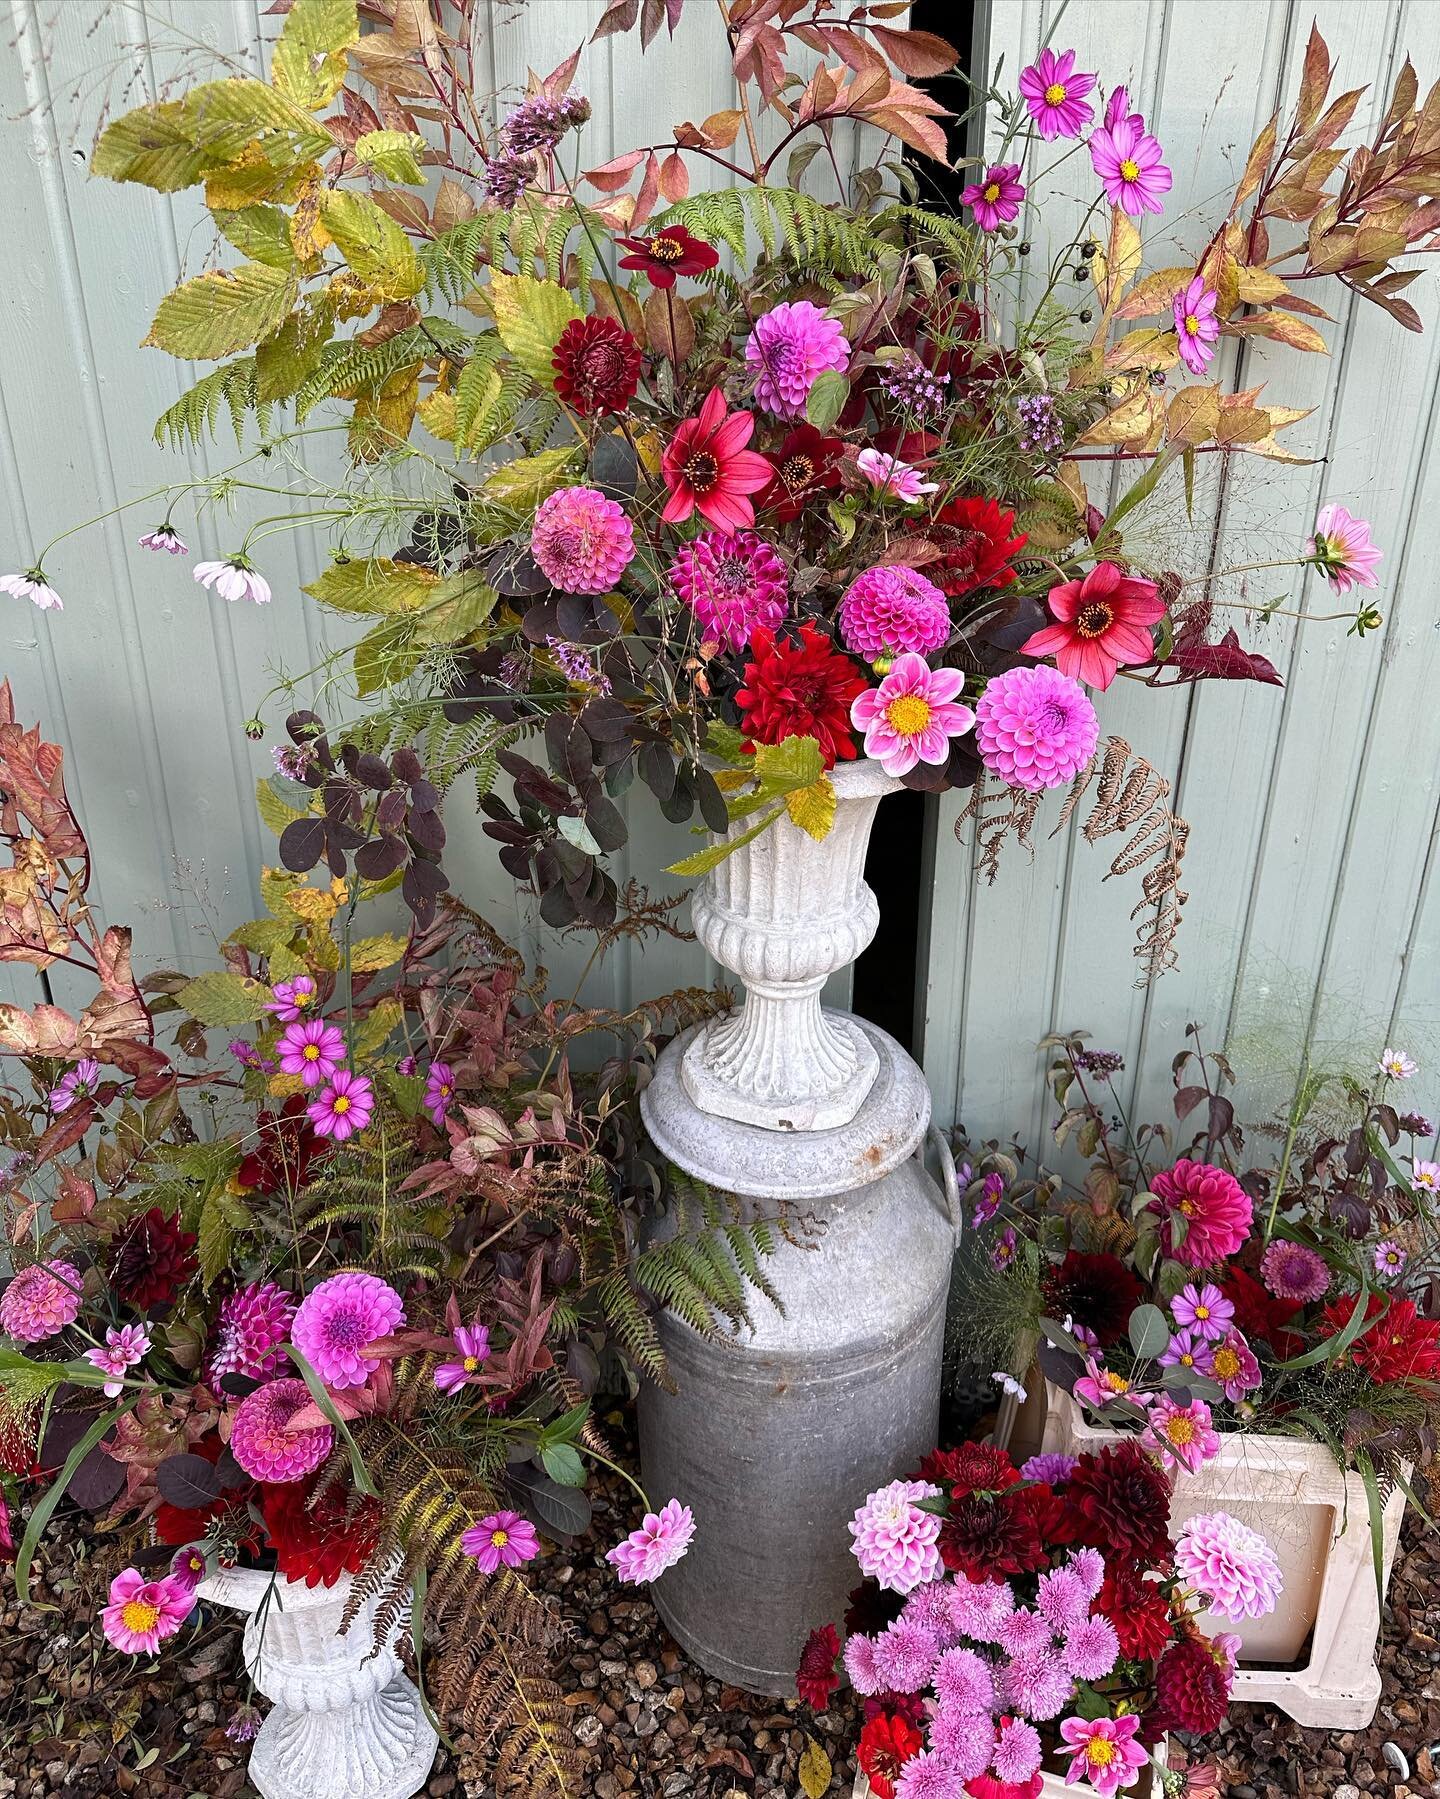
x=1149 y=1333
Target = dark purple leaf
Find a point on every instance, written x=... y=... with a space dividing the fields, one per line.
x=373 y=772
x=302 y=843
x=428 y=832
x=1224 y=661
x=375 y=860
x=188 y=1481
x=97 y=1480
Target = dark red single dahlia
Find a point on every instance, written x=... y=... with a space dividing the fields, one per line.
x=807 y=465
x=1259 y=1315
x=285 y=1148
x=1192 y=1686
x=152 y=1260
x=972 y=1468
x=1121 y=1502
x=799 y=688
x=1400 y=1346
x=886 y=1744
x=984 y=1536
x=1138 y=1610
x=816 y=1679
x=668 y=253
x=1098 y=1291
x=975 y=537
x=319 y=1543
x=597 y=366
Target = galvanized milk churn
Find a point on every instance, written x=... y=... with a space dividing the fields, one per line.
x=778 y=1431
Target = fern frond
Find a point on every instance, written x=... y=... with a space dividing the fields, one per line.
x=195 y=415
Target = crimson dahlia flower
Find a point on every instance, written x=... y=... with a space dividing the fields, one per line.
x=708 y=469
x=1101 y=622
x=799 y=688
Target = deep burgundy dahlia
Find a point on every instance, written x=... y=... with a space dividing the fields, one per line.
x=1192 y=1686
x=975 y=537
x=984 y=1537
x=1097 y=1291
x=153 y=1258
x=1121 y=1501
x=972 y=1468
x=807 y=465
x=285 y=1148
x=816 y=1679
x=597 y=366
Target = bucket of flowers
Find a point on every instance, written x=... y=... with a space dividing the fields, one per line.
x=1025 y=1630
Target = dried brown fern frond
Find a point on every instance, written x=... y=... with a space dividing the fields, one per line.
x=1105 y=1234
x=640 y=914
x=998 y=812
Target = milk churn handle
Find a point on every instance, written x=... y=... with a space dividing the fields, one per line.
x=951 y=1181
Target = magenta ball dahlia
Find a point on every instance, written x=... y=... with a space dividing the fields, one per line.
x=1216 y=1210
x=891 y=609
x=253 y=1325
x=1035 y=728
x=40 y=1301
x=338 y=1319
x=734 y=583
x=260 y=1442
x=789 y=349
x=582 y=541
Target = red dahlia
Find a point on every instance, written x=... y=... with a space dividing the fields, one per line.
x=806 y=465
x=1401 y=1346
x=597 y=366
x=1192 y=1686
x=1137 y=1609
x=152 y=1260
x=886 y=1744
x=984 y=1536
x=1099 y=1292
x=671 y=252
x=799 y=689
x=285 y=1147
x=1121 y=1503
x=816 y=1678
x=1258 y=1314
x=319 y=1543
x=975 y=537
x=972 y=1468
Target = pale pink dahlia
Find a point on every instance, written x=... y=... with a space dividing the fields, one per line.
x=734 y=583
x=1214 y=1209
x=1294 y=1271
x=660 y=1542
x=966 y=1740
x=912 y=715
x=1035 y=728
x=338 y=1319
x=1342 y=550
x=40 y=1301
x=890 y=609
x=1104 y=1752
x=1231 y=1566
x=582 y=541
x=895 y=1542
x=142 y=1613
x=791 y=346
x=254 y=1322
x=262 y=1445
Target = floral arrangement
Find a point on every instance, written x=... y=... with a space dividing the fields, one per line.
x=623 y=510
x=1014 y=1619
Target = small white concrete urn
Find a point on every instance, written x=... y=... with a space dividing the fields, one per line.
x=345 y=1723
x=784 y=912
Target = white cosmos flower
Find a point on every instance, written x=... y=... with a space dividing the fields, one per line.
x=165 y=537
x=1397 y=1065
x=32 y=585
x=1007 y=1383
x=233 y=579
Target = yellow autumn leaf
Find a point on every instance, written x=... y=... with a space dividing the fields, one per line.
x=373 y=953
x=437 y=415
x=312 y=904
x=815 y=1770
x=812 y=810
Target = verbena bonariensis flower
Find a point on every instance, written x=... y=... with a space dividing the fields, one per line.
x=540 y=122
x=1101 y=622
x=894 y=1539
x=1234 y=1367
x=439 y=1091
x=338 y=1318
x=734 y=583
x=1040 y=427
x=1128 y=161
x=1294 y=1271
x=1035 y=728
x=344 y=1107
x=660 y=1542
x=33 y=586
x=1054 y=92
x=1229 y=1565
x=583 y=541
x=893 y=608
x=142 y=1613
x=799 y=687
x=1182 y=1436
x=251 y=1331
x=597 y=366
x=507 y=175
x=234 y=578
x=1343 y=552
x=975 y=536
x=260 y=1441
x=40 y=1301
x=1204 y=1310
x=912 y=715
x=995 y=198
x=472 y=1341
x=165 y=537
x=790 y=347
x=503 y=1539
x=1394 y=1062
x=1215 y=1209
x=893 y=479
x=1197 y=330
x=122 y=1350
x=75 y=1084
x=291 y=1000
x=312 y=1049
x=668 y=253
x=708 y=469
x=914 y=386
x=1103 y=1751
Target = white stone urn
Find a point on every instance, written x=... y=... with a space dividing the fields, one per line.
x=784 y=912
x=345 y=1723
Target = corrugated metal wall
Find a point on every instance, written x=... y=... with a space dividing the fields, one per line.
x=1313 y=810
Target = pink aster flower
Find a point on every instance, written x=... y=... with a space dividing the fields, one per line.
x=1063 y=1598
x=1215 y=1209
x=292 y=999
x=860 y=1665
x=895 y=1541
x=1294 y=1271
x=791 y=346
x=660 y=1542
x=929 y=1776
x=439 y=1091
x=1424 y=1176
x=504 y=1539
x=253 y=1326
x=1231 y=1566
x=164 y=537
x=1342 y=550
x=964 y=1682
x=40 y=1301
x=1181 y=1435
x=1104 y=1752
x=1233 y=1366
x=1037 y=1684
x=905 y=1656
x=1054 y=93
x=964 y=1739
x=1017 y=1753
x=143 y=1613
x=980 y=1607
x=893 y=479
x=582 y=541
x=338 y=1318
x=1091 y=1649
x=1395 y=1064
x=995 y=198
x=473 y=1343
x=734 y=582
x=1035 y=728
x=121 y=1351
x=1130 y=164
x=343 y=1107
x=1204 y=1310
x=890 y=609
x=187 y=1566
x=312 y=1049
x=1389 y=1259
x=263 y=1445
x=76 y=1083
x=1189 y=1350
x=911 y=716
x=1197 y=330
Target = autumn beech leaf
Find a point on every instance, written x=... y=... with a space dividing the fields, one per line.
x=213 y=315
x=530 y=315
x=308 y=64
x=371 y=242
x=812 y=808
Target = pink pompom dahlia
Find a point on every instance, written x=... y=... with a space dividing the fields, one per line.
x=338 y=1319
x=905 y=1655
x=40 y=1301
x=1294 y=1271
x=1343 y=552
x=504 y=1539
x=1054 y=92
x=1103 y=1751
x=890 y=609
x=791 y=346
x=1091 y=1649
x=1035 y=728
x=1231 y=1566
x=142 y=1613
x=734 y=582
x=660 y=1542
x=928 y=1776
x=912 y=715
x=896 y=1543
x=1215 y=1209
x=582 y=541
x=260 y=1441
x=253 y=1326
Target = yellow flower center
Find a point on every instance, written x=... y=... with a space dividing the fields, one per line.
x=340 y=1103
x=1114 y=1383
x=140 y=1616
x=1226 y=1364
x=1186 y=1208
x=499 y=1538
x=1202 y=1312
x=1055 y=93
x=311 y=1052
x=1187 y=1360
x=471 y=1363
x=1180 y=1431
x=909 y=714
x=1099 y=1752
x=1129 y=171
x=992 y=192
x=1192 y=324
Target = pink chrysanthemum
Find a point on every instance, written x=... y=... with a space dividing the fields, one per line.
x=582 y=541
x=142 y=1613
x=254 y=1322
x=312 y=1049
x=912 y=715
x=660 y=1542
x=734 y=582
x=1037 y=1685
x=995 y=198
x=1051 y=1468
x=905 y=1656
x=337 y=1320
x=1035 y=728
x=928 y=1776
x=1231 y=1566
x=1063 y=1598
x=504 y=1539
x=1197 y=330
x=262 y=1445
x=929 y=1606
x=1294 y=1271
x=890 y=609
x=966 y=1740
x=344 y=1107
x=1091 y=1649
x=860 y=1665
x=1216 y=1209
x=964 y=1682
x=1024 y=1633
x=1181 y=1435
x=1104 y=1752
x=1089 y=1564
x=895 y=1542
x=1131 y=165
x=980 y=1607
x=1017 y=1754
x=791 y=346
x=40 y=1301
x=1054 y=94
x=1342 y=549
x=1234 y=1367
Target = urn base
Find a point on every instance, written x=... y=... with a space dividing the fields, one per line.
x=383 y=1749
x=816 y=1084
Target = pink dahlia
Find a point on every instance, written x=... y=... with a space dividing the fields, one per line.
x=1181 y=1435
x=142 y=1613
x=912 y=715
x=504 y=1539
x=660 y=1542
x=995 y=198
x=1233 y=1367
x=1103 y=1751
x=930 y=1605
x=1197 y=330
x=40 y=1301
x=1025 y=1632
x=964 y=1682
x=890 y=609
x=1035 y=728
x=734 y=582
x=1100 y=623
x=1294 y=1271
x=338 y=1319
x=1231 y=1566
x=312 y=1049
x=1215 y=1209
x=121 y=1351
x=1091 y=1649
x=1054 y=93
x=791 y=346
x=253 y=1325
x=344 y=1107
x=263 y=1446
x=1130 y=164
x=1342 y=550
x=582 y=541
x=964 y=1739
x=895 y=1542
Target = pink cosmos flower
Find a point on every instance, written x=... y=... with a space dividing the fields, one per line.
x=1017 y=1753
x=1389 y=1259
x=1181 y=1435
x=1101 y=622
x=1233 y=1366
x=312 y=1049
x=121 y=1351
x=262 y=1442
x=187 y=1567
x=164 y=537
x=734 y=582
x=1231 y=1566
x=32 y=586
x=40 y=1301
x=1294 y=1271
x=1215 y=1209
x=1035 y=728
x=582 y=541
x=893 y=479
x=1197 y=330
x=1129 y=163
x=439 y=1091
x=338 y=1319
x=235 y=578
x=78 y=1082
x=1342 y=550
x=912 y=715
x=1424 y=1176
x=893 y=608
x=142 y=1613
x=1054 y=93
x=1091 y=1649
x=1099 y=1387
x=995 y=198
x=895 y=1541
x=290 y=1000
x=473 y=1343
x=660 y=1542
x=1397 y=1065
x=253 y=1324
x=1189 y=1350
x=1004 y=1249
x=1104 y=1752
x=1204 y=1310
x=791 y=346
x=504 y=1539
x=343 y=1107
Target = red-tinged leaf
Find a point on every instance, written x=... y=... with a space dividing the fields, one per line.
x=649 y=191
x=851 y=48
x=1402 y=100
x=557 y=82
x=1400 y=310
x=65 y=1133
x=674 y=178
x=652 y=15
x=1281 y=328
x=924 y=135
x=76 y=1199
x=1337 y=116
x=1315 y=80
x=1186 y=1100
x=722 y=128
x=112 y=961
x=1198 y=660
x=611 y=176
x=1257 y=165
x=620 y=15
x=916 y=53
x=669 y=328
